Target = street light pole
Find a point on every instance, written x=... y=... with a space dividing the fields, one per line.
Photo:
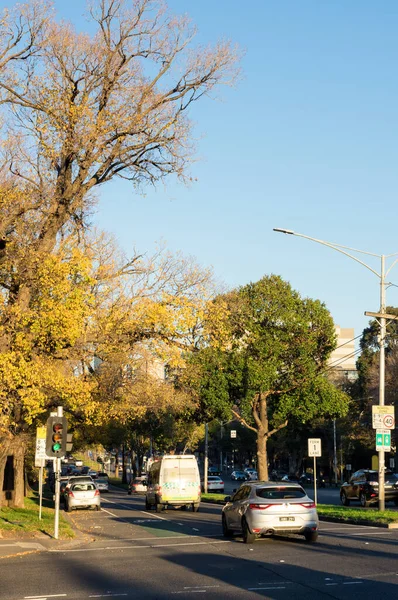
x=382 y=321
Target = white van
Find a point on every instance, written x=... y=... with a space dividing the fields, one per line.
x=173 y=481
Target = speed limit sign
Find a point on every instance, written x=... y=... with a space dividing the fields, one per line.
x=383 y=417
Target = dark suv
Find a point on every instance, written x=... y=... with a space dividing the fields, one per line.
x=364 y=486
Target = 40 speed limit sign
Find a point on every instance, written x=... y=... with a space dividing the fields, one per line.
x=383 y=417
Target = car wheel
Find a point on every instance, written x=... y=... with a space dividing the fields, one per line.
x=225 y=529
x=195 y=507
x=362 y=500
x=184 y=507
x=311 y=536
x=344 y=499
x=248 y=536
x=97 y=507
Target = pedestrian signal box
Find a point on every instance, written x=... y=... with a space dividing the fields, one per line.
x=56 y=438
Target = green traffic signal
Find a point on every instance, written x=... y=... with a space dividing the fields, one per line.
x=56 y=437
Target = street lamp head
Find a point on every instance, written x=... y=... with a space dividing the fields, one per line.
x=288 y=231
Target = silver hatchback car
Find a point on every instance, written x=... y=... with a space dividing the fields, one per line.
x=82 y=495
x=265 y=508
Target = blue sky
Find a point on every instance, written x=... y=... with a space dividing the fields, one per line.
x=306 y=141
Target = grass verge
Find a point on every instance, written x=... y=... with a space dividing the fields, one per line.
x=21 y=522
x=357 y=515
x=118 y=482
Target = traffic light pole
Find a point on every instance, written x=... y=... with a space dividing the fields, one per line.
x=57 y=469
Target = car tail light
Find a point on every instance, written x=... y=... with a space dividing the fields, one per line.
x=221 y=482
x=308 y=504
x=70 y=494
x=97 y=493
x=260 y=506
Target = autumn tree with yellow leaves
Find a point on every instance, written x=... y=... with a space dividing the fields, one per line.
x=78 y=110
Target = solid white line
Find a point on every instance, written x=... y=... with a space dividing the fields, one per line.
x=109 y=512
x=202 y=587
x=155 y=516
x=108 y=596
x=374 y=533
x=45 y=596
x=265 y=588
x=140 y=546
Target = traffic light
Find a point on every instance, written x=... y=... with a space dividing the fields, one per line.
x=56 y=438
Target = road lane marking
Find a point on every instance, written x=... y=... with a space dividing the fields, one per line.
x=265 y=588
x=156 y=516
x=142 y=547
x=109 y=512
x=45 y=596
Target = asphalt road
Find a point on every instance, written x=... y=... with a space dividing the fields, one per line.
x=138 y=554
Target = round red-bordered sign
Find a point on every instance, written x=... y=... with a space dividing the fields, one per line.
x=388 y=421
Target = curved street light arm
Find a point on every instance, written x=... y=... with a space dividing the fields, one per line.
x=336 y=247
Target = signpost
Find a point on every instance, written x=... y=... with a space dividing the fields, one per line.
x=314 y=449
x=40 y=459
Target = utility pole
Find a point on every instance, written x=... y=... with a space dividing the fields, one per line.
x=206 y=465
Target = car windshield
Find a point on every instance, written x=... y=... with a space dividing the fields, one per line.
x=280 y=493
x=213 y=479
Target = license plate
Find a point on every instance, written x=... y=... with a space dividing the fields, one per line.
x=286 y=518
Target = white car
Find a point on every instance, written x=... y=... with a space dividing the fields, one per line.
x=102 y=484
x=252 y=473
x=264 y=508
x=214 y=484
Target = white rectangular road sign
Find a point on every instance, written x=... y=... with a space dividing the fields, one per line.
x=40 y=444
x=233 y=433
x=383 y=417
x=314 y=447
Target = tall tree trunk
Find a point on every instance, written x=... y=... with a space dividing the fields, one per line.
x=262 y=458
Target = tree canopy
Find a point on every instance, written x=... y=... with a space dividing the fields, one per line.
x=264 y=362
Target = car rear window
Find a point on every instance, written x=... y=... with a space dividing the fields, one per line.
x=102 y=480
x=280 y=493
x=214 y=478
x=83 y=487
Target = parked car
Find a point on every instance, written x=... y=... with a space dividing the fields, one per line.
x=213 y=471
x=138 y=485
x=214 y=484
x=82 y=495
x=84 y=470
x=102 y=484
x=252 y=473
x=364 y=486
x=267 y=508
x=239 y=476
x=93 y=474
x=277 y=475
x=291 y=477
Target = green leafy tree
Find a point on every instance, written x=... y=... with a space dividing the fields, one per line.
x=264 y=361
